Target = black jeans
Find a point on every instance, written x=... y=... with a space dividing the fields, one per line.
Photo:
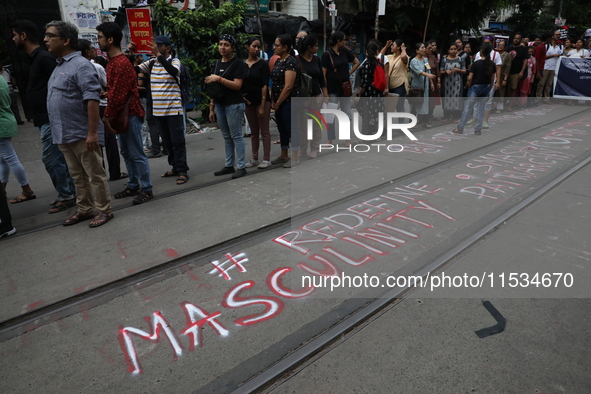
x=173 y=138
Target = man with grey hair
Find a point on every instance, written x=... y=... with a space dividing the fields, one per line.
x=73 y=107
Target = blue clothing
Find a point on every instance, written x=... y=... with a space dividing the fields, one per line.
x=73 y=82
x=230 y=123
x=135 y=158
x=55 y=165
x=476 y=94
x=9 y=161
x=420 y=82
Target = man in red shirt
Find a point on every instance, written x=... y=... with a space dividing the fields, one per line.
x=540 y=55
x=122 y=83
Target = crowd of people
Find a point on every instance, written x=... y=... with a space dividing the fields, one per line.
x=81 y=102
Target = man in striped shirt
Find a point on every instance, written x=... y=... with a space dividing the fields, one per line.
x=167 y=106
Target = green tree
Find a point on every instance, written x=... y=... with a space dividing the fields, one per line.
x=195 y=35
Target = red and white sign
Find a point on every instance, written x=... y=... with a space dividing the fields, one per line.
x=140 y=29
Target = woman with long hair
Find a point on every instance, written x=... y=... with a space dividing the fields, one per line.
x=422 y=78
x=229 y=72
x=310 y=64
x=258 y=105
x=397 y=77
x=452 y=71
x=286 y=80
x=480 y=81
x=335 y=65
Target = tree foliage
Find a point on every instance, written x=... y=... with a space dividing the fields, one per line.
x=195 y=35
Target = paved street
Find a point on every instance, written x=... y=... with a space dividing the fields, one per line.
x=216 y=267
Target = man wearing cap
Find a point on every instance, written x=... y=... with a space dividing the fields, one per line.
x=167 y=106
x=122 y=86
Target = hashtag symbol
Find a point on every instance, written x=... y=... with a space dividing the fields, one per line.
x=233 y=260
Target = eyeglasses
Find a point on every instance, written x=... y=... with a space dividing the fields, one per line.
x=51 y=35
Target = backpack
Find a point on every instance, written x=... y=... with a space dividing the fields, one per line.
x=379 y=78
x=185 y=81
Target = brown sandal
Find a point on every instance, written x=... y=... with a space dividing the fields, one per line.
x=26 y=197
x=62 y=205
x=100 y=219
x=77 y=218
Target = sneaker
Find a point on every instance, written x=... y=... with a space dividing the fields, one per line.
x=7 y=233
x=153 y=155
x=485 y=125
x=471 y=121
x=457 y=131
x=313 y=154
x=143 y=197
x=498 y=111
x=477 y=132
x=224 y=171
x=264 y=164
x=252 y=163
x=279 y=160
x=239 y=173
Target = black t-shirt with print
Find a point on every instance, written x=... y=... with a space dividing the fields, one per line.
x=313 y=69
x=518 y=56
x=341 y=63
x=278 y=77
x=257 y=76
x=231 y=70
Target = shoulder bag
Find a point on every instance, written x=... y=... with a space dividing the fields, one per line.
x=120 y=123
x=346 y=86
x=215 y=90
x=305 y=81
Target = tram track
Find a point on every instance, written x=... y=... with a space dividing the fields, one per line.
x=97 y=296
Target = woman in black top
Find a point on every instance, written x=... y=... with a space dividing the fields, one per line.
x=310 y=64
x=286 y=80
x=258 y=105
x=229 y=72
x=480 y=81
x=335 y=64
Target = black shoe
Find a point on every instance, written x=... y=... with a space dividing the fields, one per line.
x=20 y=122
x=7 y=232
x=224 y=171
x=239 y=173
x=477 y=132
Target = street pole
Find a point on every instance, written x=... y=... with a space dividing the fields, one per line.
x=377 y=26
x=427 y=23
x=324 y=6
x=256 y=7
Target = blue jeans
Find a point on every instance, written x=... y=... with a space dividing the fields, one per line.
x=345 y=104
x=476 y=94
x=132 y=150
x=401 y=92
x=55 y=165
x=230 y=123
x=9 y=161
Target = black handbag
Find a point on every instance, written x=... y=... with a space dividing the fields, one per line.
x=415 y=96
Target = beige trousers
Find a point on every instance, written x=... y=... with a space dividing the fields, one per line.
x=86 y=168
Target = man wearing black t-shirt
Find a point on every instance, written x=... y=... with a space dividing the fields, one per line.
x=27 y=38
x=518 y=66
